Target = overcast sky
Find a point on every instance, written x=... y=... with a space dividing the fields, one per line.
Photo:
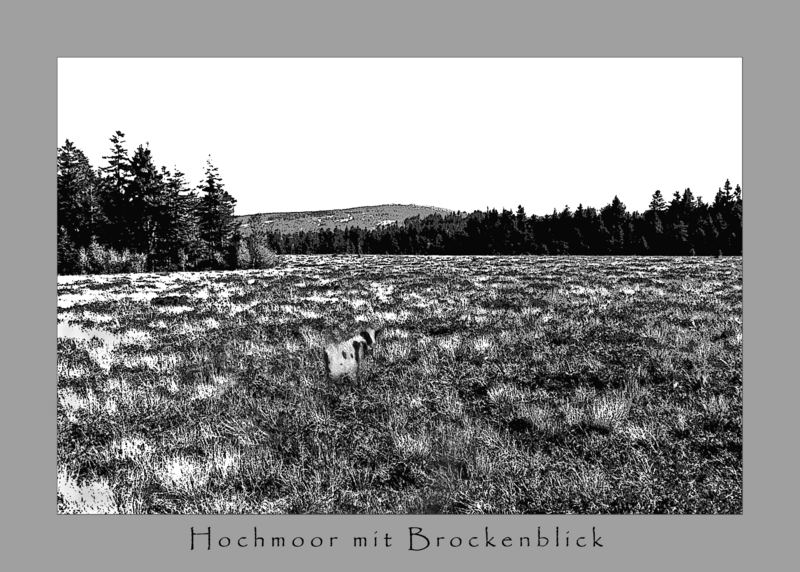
x=464 y=134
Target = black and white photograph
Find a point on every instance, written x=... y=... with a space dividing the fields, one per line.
x=399 y=286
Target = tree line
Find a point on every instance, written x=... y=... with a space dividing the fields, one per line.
x=686 y=225
x=132 y=215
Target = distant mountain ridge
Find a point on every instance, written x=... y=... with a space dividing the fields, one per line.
x=367 y=217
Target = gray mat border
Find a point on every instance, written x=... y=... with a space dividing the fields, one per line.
x=35 y=34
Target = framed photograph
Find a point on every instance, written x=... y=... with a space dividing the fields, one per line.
x=387 y=287
x=400 y=286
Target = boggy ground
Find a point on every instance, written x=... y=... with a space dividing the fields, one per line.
x=502 y=385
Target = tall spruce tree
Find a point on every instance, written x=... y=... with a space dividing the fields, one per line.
x=146 y=205
x=78 y=205
x=78 y=209
x=674 y=207
x=186 y=246
x=114 y=179
x=657 y=203
x=172 y=220
x=217 y=226
x=518 y=234
x=727 y=190
x=653 y=232
x=688 y=204
x=614 y=218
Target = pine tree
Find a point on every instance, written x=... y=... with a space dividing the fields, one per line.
x=614 y=217
x=688 y=203
x=505 y=231
x=727 y=190
x=187 y=227
x=614 y=213
x=736 y=244
x=674 y=207
x=114 y=179
x=146 y=203
x=217 y=226
x=78 y=206
x=175 y=234
x=657 y=203
x=520 y=218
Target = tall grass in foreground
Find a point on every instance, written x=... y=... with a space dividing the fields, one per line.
x=502 y=385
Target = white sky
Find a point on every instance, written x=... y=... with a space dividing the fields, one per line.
x=464 y=134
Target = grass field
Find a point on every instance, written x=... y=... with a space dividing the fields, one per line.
x=502 y=385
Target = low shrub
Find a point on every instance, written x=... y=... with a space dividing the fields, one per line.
x=98 y=259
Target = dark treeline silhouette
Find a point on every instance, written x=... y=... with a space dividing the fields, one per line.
x=133 y=216
x=684 y=226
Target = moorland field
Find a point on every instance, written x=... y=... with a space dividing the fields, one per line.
x=501 y=385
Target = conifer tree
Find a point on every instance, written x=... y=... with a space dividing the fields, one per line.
x=674 y=207
x=188 y=231
x=176 y=228
x=657 y=203
x=217 y=226
x=727 y=190
x=688 y=203
x=114 y=179
x=78 y=206
x=614 y=217
x=146 y=205
x=518 y=234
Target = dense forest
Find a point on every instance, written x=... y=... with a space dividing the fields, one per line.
x=132 y=215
